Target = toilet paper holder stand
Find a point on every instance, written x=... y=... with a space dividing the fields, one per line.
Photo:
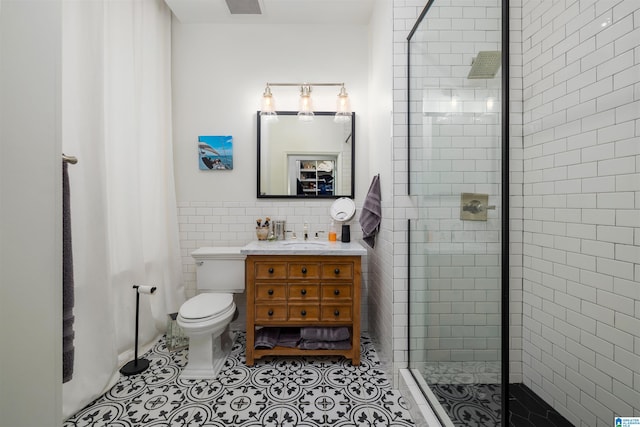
x=137 y=366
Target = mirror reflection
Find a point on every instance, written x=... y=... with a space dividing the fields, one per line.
x=305 y=159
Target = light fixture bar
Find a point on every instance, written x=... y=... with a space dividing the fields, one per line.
x=305 y=84
x=305 y=110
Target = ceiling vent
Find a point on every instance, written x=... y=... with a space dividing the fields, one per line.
x=244 y=7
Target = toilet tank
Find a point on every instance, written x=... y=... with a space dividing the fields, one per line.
x=219 y=269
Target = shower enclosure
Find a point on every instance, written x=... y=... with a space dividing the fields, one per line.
x=458 y=244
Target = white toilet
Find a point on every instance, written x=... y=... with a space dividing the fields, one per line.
x=205 y=318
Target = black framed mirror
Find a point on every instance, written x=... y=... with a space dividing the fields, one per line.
x=305 y=159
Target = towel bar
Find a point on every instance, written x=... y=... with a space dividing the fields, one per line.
x=69 y=159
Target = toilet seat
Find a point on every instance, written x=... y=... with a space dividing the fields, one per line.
x=206 y=306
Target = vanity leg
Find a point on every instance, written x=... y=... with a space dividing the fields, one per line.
x=250 y=345
x=355 y=347
x=249 y=276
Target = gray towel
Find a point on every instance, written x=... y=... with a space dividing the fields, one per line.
x=325 y=345
x=289 y=337
x=371 y=212
x=267 y=337
x=325 y=334
x=67 y=281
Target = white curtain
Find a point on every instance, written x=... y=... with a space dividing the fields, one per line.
x=116 y=96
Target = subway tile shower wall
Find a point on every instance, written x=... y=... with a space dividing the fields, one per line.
x=459 y=121
x=581 y=185
x=485 y=17
x=234 y=224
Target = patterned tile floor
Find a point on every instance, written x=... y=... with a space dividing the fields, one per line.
x=291 y=391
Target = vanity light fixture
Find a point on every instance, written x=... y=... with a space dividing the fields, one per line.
x=305 y=108
x=343 y=106
x=268 y=104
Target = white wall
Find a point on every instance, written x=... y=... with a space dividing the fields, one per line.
x=219 y=74
x=582 y=206
x=382 y=300
x=30 y=215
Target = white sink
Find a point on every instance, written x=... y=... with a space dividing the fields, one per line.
x=303 y=243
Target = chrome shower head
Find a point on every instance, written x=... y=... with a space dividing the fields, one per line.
x=485 y=65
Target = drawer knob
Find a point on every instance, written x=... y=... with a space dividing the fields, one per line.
x=303 y=312
x=303 y=291
x=270 y=270
x=336 y=292
x=270 y=313
x=336 y=313
x=270 y=291
x=337 y=271
x=304 y=270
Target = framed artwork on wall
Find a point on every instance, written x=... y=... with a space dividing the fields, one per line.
x=215 y=152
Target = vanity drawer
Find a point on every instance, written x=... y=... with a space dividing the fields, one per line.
x=271 y=292
x=336 y=292
x=306 y=270
x=270 y=270
x=302 y=292
x=336 y=313
x=304 y=312
x=271 y=312
x=336 y=270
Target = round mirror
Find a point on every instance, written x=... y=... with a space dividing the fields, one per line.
x=342 y=209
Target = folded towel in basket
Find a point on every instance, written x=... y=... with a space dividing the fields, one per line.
x=325 y=345
x=325 y=334
x=267 y=337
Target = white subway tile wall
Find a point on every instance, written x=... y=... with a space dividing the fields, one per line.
x=392 y=316
x=581 y=253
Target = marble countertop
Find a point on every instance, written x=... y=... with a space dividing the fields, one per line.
x=302 y=247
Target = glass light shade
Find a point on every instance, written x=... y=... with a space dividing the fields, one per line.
x=343 y=107
x=305 y=107
x=268 y=107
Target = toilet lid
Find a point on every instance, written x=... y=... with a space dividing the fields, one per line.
x=205 y=305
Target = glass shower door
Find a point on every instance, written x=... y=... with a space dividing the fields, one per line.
x=455 y=139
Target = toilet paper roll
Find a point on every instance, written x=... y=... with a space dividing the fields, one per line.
x=146 y=289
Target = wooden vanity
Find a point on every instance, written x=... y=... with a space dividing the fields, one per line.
x=308 y=286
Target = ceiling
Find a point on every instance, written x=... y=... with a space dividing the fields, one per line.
x=357 y=12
